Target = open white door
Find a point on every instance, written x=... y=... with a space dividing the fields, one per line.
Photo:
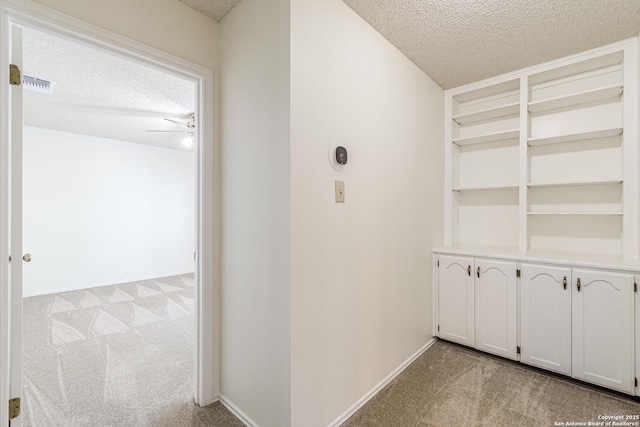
x=15 y=228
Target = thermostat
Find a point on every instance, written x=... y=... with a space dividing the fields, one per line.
x=338 y=155
x=341 y=155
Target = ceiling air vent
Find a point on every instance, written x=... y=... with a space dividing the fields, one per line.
x=38 y=85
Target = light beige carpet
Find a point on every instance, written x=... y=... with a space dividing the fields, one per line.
x=450 y=385
x=119 y=355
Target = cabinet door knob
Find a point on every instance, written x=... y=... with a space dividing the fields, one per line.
x=469 y=270
x=564 y=282
x=579 y=285
x=478 y=271
x=26 y=257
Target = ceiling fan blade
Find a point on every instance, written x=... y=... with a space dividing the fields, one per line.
x=178 y=123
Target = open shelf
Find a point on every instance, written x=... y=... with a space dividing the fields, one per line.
x=488 y=92
x=548 y=159
x=577 y=68
x=575 y=183
x=583 y=136
x=489 y=137
x=489 y=188
x=576 y=99
x=591 y=213
x=488 y=114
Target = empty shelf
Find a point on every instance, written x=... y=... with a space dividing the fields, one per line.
x=576 y=99
x=490 y=137
x=491 y=113
x=575 y=183
x=584 y=136
x=490 y=188
x=575 y=213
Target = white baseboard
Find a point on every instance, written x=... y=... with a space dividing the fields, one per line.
x=98 y=285
x=369 y=395
x=247 y=421
x=237 y=412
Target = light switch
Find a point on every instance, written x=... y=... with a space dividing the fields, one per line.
x=339 y=191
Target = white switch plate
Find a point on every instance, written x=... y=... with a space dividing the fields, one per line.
x=339 y=191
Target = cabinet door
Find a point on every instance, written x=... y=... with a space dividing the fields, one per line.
x=545 y=320
x=455 y=299
x=602 y=316
x=495 y=305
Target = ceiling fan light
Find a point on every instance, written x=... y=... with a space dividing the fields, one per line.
x=188 y=141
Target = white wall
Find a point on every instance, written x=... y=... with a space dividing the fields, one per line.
x=98 y=212
x=360 y=271
x=255 y=211
x=168 y=25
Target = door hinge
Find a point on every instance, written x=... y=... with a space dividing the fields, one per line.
x=518 y=273
x=14 y=408
x=518 y=350
x=15 y=77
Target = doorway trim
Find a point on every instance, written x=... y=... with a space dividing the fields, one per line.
x=29 y=14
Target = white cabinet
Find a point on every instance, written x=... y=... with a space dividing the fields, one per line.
x=455 y=299
x=602 y=328
x=545 y=325
x=477 y=304
x=580 y=322
x=495 y=307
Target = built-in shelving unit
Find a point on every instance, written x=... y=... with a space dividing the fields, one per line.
x=483 y=149
x=548 y=159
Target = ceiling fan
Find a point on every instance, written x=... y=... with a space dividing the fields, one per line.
x=189 y=128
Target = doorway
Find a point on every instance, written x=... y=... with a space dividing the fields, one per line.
x=108 y=214
x=15 y=18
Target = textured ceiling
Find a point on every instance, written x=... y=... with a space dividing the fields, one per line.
x=215 y=9
x=462 y=41
x=102 y=95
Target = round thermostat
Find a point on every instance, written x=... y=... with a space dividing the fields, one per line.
x=338 y=156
